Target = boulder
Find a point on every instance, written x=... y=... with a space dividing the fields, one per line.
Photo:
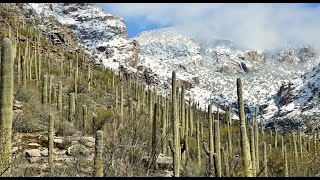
x=14 y=150
x=89 y=144
x=34 y=144
x=34 y=159
x=33 y=153
x=58 y=140
x=78 y=150
x=229 y=69
x=164 y=162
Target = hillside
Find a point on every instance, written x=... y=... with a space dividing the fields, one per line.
x=205 y=67
x=78 y=99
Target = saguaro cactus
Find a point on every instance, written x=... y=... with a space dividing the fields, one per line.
x=276 y=139
x=265 y=160
x=98 y=160
x=121 y=107
x=24 y=71
x=198 y=143
x=19 y=66
x=182 y=110
x=50 y=144
x=75 y=80
x=116 y=98
x=163 y=131
x=300 y=144
x=150 y=104
x=176 y=144
x=229 y=142
x=130 y=108
x=245 y=148
x=201 y=130
x=286 y=171
x=210 y=151
x=295 y=148
x=89 y=79
x=50 y=90
x=72 y=107
x=59 y=104
x=226 y=163
x=191 y=118
x=256 y=144
x=282 y=146
x=252 y=151
x=85 y=117
x=217 y=148
x=154 y=135
x=45 y=90
x=6 y=103
x=54 y=95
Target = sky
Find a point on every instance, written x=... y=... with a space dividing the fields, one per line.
x=252 y=25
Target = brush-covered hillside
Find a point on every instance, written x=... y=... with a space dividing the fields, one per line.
x=74 y=103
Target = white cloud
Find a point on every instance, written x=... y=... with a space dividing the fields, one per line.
x=251 y=25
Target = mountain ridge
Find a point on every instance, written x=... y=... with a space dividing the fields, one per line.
x=207 y=69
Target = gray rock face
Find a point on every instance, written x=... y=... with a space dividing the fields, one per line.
x=254 y=56
x=306 y=53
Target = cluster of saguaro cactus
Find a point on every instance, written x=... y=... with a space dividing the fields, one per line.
x=176 y=117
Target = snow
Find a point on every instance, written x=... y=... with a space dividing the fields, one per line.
x=168 y=49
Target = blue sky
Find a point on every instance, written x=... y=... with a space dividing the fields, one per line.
x=254 y=24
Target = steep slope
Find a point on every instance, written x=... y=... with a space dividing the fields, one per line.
x=103 y=35
x=297 y=101
x=216 y=64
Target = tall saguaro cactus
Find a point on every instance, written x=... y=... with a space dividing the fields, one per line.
x=50 y=144
x=286 y=171
x=45 y=90
x=50 y=90
x=256 y=144
x=163 y=131
x=154 y=135
x=209 y=151
x=6 y=103
x=175 y=121
x=245 y=148
x=72 y=107
x=191 y=118
x=98 y=160
x=198 y=143
x=182 y=110
x=217 y=148
x=89 y=79
x=150 y=105
x=252 y=150
x=121 y=107
x=265 y=160
x=59 y=103
x=85 y=117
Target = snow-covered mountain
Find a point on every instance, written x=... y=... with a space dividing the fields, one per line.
x=208 y=68
x=296 y=100
x=103 y=35
x=212 y=67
